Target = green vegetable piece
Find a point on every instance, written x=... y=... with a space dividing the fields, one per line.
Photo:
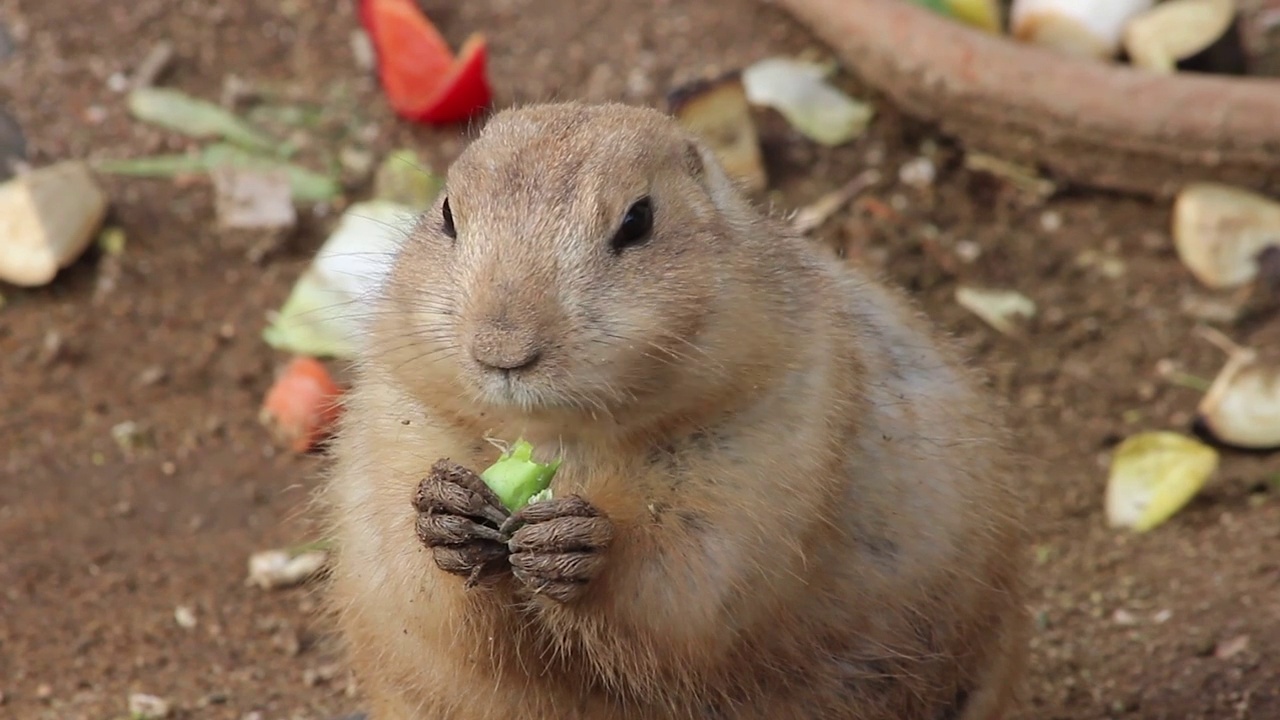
x=516 y=478
x=153 y=166
x=404 y=178
x=175 y=110
x=305 y=185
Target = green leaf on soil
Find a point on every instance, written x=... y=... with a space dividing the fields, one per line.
x=175 y=110
x=1153 y=475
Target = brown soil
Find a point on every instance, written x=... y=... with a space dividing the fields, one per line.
x=101 y=546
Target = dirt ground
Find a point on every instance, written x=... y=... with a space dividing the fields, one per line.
x=100 y=546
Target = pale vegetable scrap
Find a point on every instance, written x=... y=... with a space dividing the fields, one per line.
x=321 y=316
x=1219 y=231
x=48 y=217
x=1175 y=30
x=274 y=569
x=998 y=308
x=1153 y=475
x=253 y=198
x=1080 y=28
x=1241 y=408
x=799 y=90
x=717 y=112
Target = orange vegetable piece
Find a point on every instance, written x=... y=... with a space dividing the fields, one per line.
x=422 y=79
x=302 y=406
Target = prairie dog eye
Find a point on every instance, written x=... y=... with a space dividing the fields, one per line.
x=447 y=225
x=636 y=226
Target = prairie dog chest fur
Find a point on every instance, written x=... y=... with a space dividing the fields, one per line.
x=792 y=499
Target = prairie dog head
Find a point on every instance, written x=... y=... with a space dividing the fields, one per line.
x=575 y=263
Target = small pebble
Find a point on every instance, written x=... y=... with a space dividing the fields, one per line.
x=1232 y=647
x=1050 y=221
x=316 y=676
x=1124 y=617
x=153 y=375
x=44 y=691
x=118 y=82
x=968 y=251
x=148 y=707
x=918 y=173
x=185 y=617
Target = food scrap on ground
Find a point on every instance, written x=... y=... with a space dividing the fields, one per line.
x=305 y=185
x=1219 y=230
x=1153 y=475
x=48 y=217
x=179 y=112
x=1204 y=34
x=253 y=198
x=320 y=317
x=421 y=77
x=1241 y=408
x=718 y=112
x=798 y=89
x=284 y=568
x=998 y=308
x=812 y=216
x=1090 y=29
x=302 y=405
x=983 y=14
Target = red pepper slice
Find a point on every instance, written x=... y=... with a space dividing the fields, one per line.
x=422 y=79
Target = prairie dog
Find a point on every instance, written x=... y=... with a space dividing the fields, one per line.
x=780 y=497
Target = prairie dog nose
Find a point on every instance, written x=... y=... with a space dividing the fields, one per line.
x=499 y=348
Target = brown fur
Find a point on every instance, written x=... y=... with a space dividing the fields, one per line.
x=815 y=514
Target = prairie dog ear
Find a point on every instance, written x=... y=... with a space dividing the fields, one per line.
x=695 y=158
